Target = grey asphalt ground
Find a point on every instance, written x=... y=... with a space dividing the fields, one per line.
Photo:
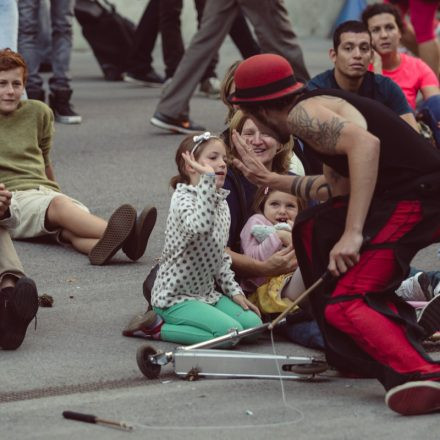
x=76 y=359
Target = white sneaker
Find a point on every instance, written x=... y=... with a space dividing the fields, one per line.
x=415 y=288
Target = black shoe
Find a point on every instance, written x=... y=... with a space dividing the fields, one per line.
x=176 y=126
x=111 y=72
x=136 y=244
x=19 y=306
x=59 y=102
x=38 y=95
x=119 y=228
x=150 y=79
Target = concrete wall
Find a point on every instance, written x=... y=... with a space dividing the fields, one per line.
x=309 y=17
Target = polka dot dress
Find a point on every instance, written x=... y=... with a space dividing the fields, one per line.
x=194 y=254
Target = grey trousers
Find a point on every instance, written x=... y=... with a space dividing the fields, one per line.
x=61 y=16
x=272 y=28
x=9 y=262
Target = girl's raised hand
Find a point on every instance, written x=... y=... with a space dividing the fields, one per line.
x=201 y=168
x=245 y=304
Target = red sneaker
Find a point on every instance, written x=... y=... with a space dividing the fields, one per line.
x=412 y=398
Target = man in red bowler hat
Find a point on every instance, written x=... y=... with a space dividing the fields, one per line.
x=384 y=185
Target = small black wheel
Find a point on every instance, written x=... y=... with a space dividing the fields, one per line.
x=143 y=359
x=314 y=367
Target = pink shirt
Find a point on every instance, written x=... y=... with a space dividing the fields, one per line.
x=260 y=251
x=411 y=75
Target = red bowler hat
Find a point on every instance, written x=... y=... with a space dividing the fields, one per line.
x=263 y=78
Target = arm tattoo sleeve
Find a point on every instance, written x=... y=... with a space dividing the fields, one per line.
x=309 y=184
x=324 y=135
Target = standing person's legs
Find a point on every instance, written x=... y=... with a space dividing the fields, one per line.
x=422 y=15
x=171 y=34
x=274 y=32
x=145 y=36
x=61 y=12
x=243 y=38
x=210 y=70
x=27 y=46
x=44 y=41
x=8 y=24
x=217 y=20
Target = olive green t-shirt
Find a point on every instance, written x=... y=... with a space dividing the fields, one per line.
x=25 y=141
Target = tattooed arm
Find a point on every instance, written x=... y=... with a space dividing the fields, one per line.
x=329 y=133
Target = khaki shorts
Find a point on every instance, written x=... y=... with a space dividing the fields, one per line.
x=28 y=212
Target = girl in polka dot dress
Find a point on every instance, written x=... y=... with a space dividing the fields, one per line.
x=194 y=262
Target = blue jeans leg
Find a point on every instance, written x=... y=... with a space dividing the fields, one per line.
x=305 y=333
x=27 y=42
x=8 y=24
x=61 y=14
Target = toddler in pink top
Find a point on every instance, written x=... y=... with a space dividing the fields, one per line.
x=265 y=233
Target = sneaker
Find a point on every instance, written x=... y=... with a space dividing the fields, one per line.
x=210 y=87
x=176 y=126
x=59 y=102
x=150 y=79
x=412 y=398
x=147 y=325
x=19 y=305
x=429 y=317
x=136 y=244
x=119 y=228
x=415 y=288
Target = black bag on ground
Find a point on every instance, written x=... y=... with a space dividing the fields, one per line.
x=109 y=34
x=147 y=287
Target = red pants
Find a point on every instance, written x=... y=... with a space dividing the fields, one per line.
x=381 y=335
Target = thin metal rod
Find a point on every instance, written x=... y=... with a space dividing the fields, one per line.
x=234 y=334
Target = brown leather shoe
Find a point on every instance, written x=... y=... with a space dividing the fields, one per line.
x=136 y=244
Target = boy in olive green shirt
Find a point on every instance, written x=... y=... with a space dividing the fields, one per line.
x=37 y=206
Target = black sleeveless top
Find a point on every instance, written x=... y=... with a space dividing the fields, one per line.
x=404 y=154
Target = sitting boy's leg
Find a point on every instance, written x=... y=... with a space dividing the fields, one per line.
x=65 y=213
x=18 y=296
x=18 y=307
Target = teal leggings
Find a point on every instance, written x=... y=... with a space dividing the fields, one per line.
x=193 y=321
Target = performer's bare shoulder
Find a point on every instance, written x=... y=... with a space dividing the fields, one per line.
x=321 y=120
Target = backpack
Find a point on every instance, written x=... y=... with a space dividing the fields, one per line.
x=110 y=35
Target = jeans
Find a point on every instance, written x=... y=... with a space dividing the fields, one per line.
x=61 y=14
x=430 y=108
x=8 y=24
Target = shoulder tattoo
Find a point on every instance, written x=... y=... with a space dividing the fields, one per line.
x=324 y=135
